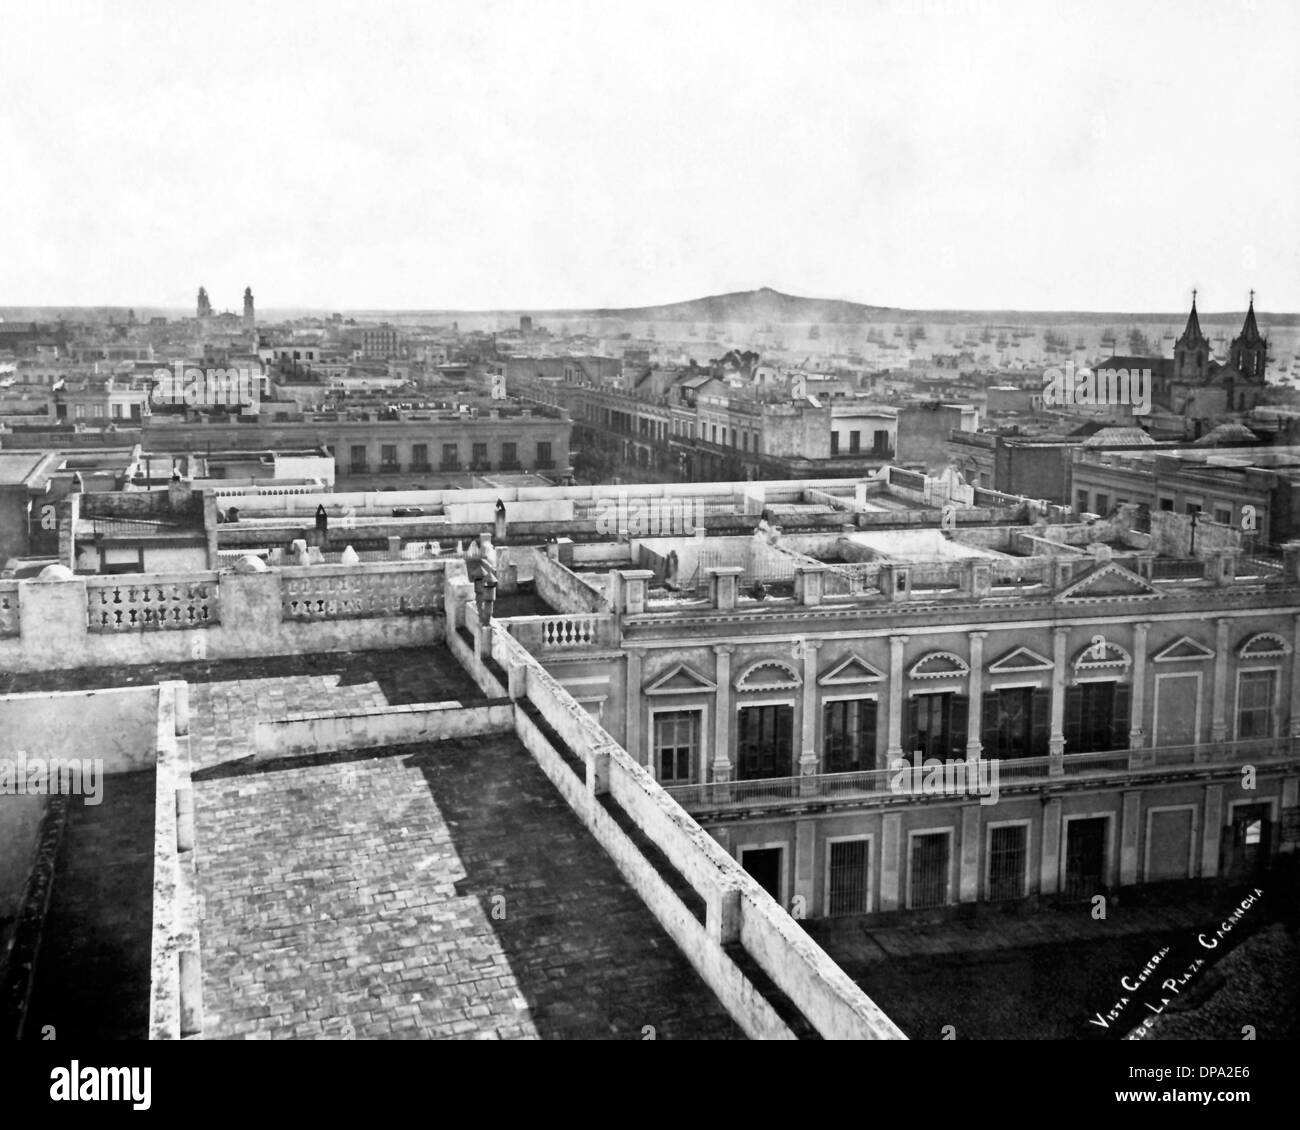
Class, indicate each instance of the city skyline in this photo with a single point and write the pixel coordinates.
(916, 155)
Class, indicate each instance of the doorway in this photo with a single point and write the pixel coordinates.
(764, 864)
(1085, 857)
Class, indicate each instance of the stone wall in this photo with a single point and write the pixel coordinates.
(116, 725)
(139, 619)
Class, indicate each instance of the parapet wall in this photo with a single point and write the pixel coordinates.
(168, 618)
(738, 910)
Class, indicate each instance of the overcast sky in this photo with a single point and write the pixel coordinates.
(547, 153)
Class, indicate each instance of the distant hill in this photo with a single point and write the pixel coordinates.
(758, 307)
(749, 306)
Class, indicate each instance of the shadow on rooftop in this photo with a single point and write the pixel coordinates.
(587, 955)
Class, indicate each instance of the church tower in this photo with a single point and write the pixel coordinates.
(1192, 350)
(1249, 351)
(248, 308)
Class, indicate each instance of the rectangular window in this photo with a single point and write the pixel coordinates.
(1096, 717)
(1103, 504)
(1192, 507)
(938, 725)
(1255, 704)
(928, 876)
(1223, 515)
(1081, 501)
(117, 411)
(419, 456)
(880, 442)
(544, 455)
(1166, 504)
(855, 442)
(1007, 863)
(450, 456)
(677, 739)
(765, 742)
(358, 453)
(1015, 722)
(388, 454)
(850, 735)
(835, 443)
(479, 455)
(509, 459)
(847, 886)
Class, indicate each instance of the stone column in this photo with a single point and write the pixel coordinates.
(968, 887)
(1049, 871)
(896, 644)
(809, 757)
(1130, 832)
(805, 857)
(722, 713)
(974, 747)
(724, 582)
(632, 706)
(1136, 731)
(891, 847)
(1056, 743)
(1218, 720)
(1295, 682)
(1211, 831)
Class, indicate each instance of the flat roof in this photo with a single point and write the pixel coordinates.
(18, 466)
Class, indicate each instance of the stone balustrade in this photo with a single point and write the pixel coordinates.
(130, 603)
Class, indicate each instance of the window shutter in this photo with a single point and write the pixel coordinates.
(1040, 714)
(959, 726)
(913, 727)
(1120, 716)
(1073, 718)
(989, 723)
(868, 734)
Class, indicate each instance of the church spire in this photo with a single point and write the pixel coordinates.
(1192, 337)
(1192, 350)
(1249, 329)
(1248, 353)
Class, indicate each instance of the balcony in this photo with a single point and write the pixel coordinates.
(480, 465)
(359, 469)
(545, 464)
(390, 468)
(876, 784)
(450, 465)
(511, 465)
(421, 468)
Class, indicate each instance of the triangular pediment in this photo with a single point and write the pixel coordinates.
(1108, 580)
(939, 665)
(680, 680)
(854, 669)
(1018, 660)
(1183, 648)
